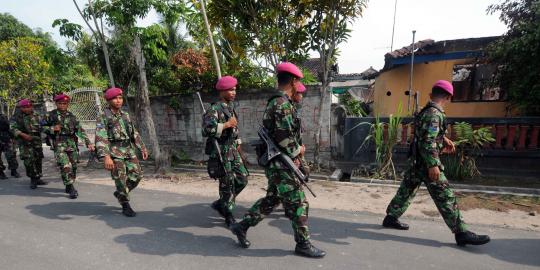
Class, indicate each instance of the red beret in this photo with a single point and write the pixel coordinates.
(289, 68)
(24, 103)
(226, 83)
(61, 97)
(444, 85)
(112, 93)
(300, 87)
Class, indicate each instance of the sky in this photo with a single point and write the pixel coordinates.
(370, 39)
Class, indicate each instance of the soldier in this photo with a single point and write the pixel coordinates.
(64, 128)
(25, 127)
(7, 146)
(116, 140)
(281, 121)
(425, 166)
(221, 122)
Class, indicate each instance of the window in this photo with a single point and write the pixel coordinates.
(472, 83)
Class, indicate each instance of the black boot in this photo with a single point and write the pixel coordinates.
(40, 182)
(392, 222)
(470, 238)
(15, 174)
(216, 205)
(306, 249)
(116, 194)
(3, 175)
(73, 194)
(33, 183)
(240, 230)
(229, 220)
(127, 211)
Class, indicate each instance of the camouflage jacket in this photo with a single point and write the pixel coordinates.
(212, 126)
(70, 130)
(5, 134)
(29, 124)
(116, 136)
(431, 129)
(283, 124)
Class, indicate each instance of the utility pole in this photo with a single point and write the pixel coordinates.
(411, 73)
(393, 27)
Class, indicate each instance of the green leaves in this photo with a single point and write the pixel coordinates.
(68, 29)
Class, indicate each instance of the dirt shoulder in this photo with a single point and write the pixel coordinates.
(477, 208)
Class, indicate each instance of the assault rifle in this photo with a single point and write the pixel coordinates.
(273, 152)
(213, 141)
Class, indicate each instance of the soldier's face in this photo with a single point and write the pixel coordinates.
(228, 95)
(116, 103)
(62, 105)
(27, 109)
(297, 97)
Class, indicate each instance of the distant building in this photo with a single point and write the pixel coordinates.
(461, 61)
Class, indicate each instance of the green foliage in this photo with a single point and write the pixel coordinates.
(384, 147)
(519, 48)
(469, 143)
(11, 28)
(24, 72)
(354, 107)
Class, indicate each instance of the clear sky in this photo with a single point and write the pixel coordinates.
(369, 41)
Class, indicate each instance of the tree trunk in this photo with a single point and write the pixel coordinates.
(107, 61)
(144, 112)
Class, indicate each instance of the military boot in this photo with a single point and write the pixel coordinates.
(3, 175)
(40, 182)
(216, 205)
(470, 238)
(33, 183)
(15, 174)
(240, 230)
(306, 249)
(229, 220)
(392, 222)
(73, 194)
(127, 210)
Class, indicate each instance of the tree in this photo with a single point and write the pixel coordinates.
(24, 72)
(328, 27)
(11, 28)
(518, 48)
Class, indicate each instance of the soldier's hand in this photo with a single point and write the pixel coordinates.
(25, 137)
(231, 123)
(144, 155)
(297, 162)
(109, 163)
(434, 173)
(302, 150)
(91, 148)
(56, 128)
(449, 146)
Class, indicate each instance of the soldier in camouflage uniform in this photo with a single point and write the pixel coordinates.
(280, 119)
(116, 140)
(26, 128)
(220, 122)
(64, 128)
(7, 146)
(425, 167)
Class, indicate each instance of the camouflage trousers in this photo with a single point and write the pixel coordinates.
(282, 188)
(230, 186)
(32, 157)
(67, 162)
(11, 156)
(127, 174)
(440, 192)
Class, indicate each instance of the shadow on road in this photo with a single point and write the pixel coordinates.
(519, 251)
(21, 187)
(174, 230)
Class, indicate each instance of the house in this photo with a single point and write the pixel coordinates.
(461, 61)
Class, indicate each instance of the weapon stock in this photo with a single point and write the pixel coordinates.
(274, 152)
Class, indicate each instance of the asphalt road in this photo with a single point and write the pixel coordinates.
(43, 229)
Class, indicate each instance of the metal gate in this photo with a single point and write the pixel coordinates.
(86, 104)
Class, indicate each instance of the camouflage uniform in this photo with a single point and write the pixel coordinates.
(30, 152)
(66, 142)
(116, 136)
(430, 130)
(6, 145)
(236, 180)
(280, 118)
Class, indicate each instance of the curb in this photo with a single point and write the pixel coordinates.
(391, 183)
